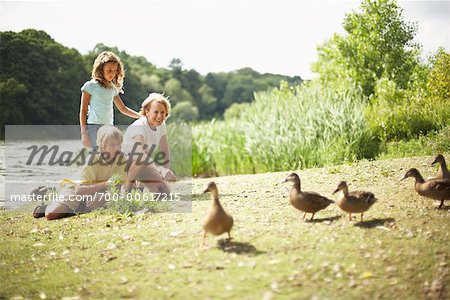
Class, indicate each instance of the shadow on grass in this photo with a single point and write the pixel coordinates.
(237, 247)
(375, 222)
(320, 220)
(443, 208)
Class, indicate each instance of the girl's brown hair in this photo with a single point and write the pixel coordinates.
(97, 70)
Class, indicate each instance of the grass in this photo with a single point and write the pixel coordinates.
(400, 251)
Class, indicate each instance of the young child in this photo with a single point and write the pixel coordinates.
(96, 177)
(98, 95)
(144, 136)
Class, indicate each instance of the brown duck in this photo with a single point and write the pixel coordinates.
(438, 189)
(307, 202)
(443, 172)
(354, 202)
(217, 221)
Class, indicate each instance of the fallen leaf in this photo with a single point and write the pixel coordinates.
(268, 295)
(382, 228)
(176, 233)
(110, 258)
(274, 261)
(366, 275)
(111, 246)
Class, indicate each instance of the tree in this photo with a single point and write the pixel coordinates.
(379, 43)
(438, 83)
(176, 92)
(184, 110)
(239, 89)
(12, 95)
(218, 83)
(152, 83)
(208, 103)
(40, 79)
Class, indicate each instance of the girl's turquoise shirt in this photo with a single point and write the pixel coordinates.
(100, 110)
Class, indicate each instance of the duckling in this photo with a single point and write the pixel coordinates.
(354, 202)
(217, 221)
(443, 172)
(438, 189)
(307, 202)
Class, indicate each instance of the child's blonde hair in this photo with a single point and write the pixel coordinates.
(105, 132)
(157, 98)
(97, 70)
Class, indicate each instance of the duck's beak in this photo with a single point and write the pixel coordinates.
(403, 178)
(280, 182)
(205, 191)
(434, 162)
(335, 191)
(284, 180)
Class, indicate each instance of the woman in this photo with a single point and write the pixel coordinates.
(141, 140)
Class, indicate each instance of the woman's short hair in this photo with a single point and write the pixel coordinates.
(157, 98)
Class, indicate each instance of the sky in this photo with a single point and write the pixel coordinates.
(277, 37)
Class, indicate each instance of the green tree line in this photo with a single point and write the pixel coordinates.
(41, 79)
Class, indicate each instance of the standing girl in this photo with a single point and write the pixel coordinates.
(98, 95)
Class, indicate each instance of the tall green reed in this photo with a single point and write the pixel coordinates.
(286, 128)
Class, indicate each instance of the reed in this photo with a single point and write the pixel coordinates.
(287, 128)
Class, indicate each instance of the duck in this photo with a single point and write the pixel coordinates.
(436, 188)
(353, 202)
(217, 221)
(307, 202)
(443, 172)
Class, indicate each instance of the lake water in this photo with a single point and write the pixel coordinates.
(21, 172)
(19, 178)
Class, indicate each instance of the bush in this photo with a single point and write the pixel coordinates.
(403, 114)
(432, 143)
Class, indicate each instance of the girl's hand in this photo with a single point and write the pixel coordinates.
(86, 140)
